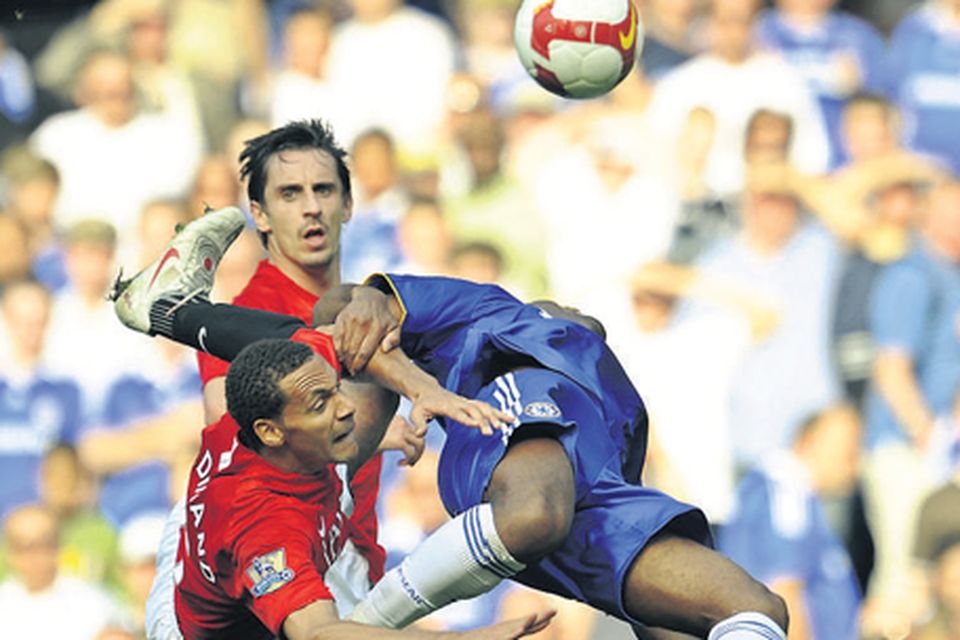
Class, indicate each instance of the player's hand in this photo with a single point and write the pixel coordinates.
(471, 413)
(401, 436)
(363, 326)
(512, 629)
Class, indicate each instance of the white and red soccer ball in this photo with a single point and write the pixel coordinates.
(577, 48)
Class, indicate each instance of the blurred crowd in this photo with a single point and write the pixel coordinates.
(765, 216)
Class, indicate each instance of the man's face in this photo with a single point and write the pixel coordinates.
(32, 544)
(303, 210)
(318, 420)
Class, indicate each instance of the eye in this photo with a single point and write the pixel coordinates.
(288, 193)
(324, 189)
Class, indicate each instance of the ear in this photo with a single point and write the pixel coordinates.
(347, 208)
(270, 432)
(260, 217)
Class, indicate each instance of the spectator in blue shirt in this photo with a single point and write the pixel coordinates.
(780, 534)
(924, 68)
(37, 409)
(915, 322)
(836, 52)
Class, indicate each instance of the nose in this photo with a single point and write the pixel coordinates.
(311, 206)
(345, 408)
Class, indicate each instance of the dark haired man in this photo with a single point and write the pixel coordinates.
(555, 501)
(268, 548)
(300, 195)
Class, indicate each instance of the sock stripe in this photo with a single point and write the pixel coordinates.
(476, 542)
(475, 538)
(500, 567)
(760, 630)
(471, 544)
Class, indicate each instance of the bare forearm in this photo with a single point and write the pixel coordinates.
(105, 452)
(394, 370)
(894, 378)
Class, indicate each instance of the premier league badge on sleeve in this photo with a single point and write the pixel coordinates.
(269, 572)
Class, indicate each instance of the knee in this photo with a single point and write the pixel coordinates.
(777, 611)
(538, 527)
(763, 600)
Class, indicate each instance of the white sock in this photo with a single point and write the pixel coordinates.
(749, 625)
(462, 559)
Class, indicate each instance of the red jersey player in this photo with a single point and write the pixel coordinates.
(269, 546)
(300, 195)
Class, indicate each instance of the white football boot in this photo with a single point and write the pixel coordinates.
(184, 271)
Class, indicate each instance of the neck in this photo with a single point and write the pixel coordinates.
(763, 246)
(804, 17)
(25, 358)
(735, 58)
(283, 459)
(945, 250)
(317, 280)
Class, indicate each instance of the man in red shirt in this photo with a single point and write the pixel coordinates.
(300, 196)
(269, 545)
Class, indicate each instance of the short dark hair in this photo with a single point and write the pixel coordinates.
(253, 383)
(301, 134)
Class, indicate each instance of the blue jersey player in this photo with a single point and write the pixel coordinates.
(554, 501)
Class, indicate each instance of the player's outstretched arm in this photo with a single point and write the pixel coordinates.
(397, 372)
(319, 621)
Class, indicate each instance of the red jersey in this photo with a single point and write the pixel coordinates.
(271, 290)
(260, 543)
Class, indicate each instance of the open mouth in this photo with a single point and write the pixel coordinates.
(315, 236)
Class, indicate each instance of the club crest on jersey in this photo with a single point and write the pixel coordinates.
(542, 410)
(269, 572)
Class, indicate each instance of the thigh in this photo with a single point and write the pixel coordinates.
(545, 403)
(613, 523)
(678, 584)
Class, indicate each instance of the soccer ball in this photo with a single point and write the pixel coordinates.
(577, 48)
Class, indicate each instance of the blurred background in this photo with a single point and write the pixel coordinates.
(765, 216)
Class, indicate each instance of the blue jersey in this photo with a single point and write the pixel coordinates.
(467, 334)
(815, 53)
(779, 531)
(915, 311)
(925, 76)
(35, 415)
(555, 375)
(144, 487)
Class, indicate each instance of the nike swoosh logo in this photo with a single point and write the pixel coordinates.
(626, 40)
(200, 336)
(171, 253)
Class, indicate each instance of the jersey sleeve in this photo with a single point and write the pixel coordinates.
(432, 304)
(898, 309)
(211, 367)
(275, 558)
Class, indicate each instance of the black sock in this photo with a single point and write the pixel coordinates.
(222, 330)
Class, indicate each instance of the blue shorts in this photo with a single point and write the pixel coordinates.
(613, 519)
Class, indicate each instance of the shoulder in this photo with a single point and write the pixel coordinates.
(914, 269)
(916, 22)
(67, 122)
(844, 22)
